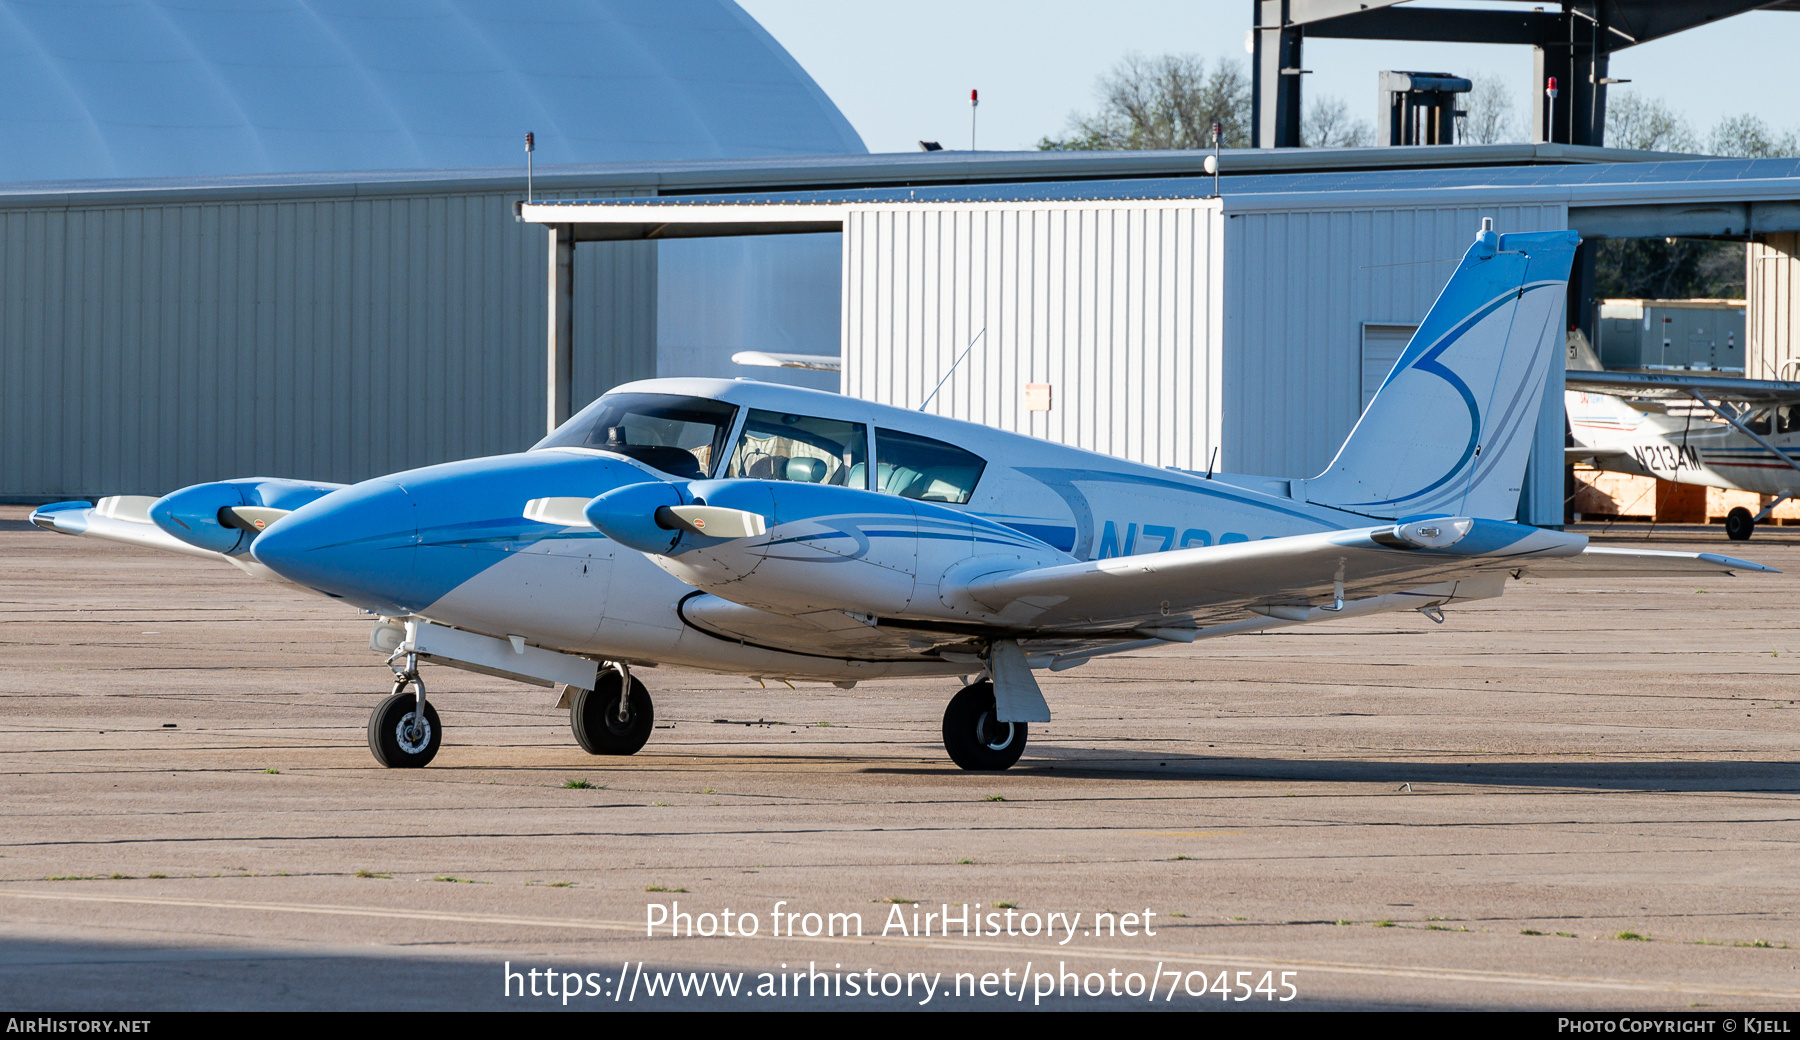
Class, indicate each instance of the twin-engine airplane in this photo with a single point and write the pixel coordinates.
(1657, 425)
(783, 533)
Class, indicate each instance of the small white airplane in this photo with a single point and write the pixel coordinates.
(1713, 431)
(781, 533)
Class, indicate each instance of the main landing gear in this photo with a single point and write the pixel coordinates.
(614, 718)
(1739, 524)
(404, 731)
(974, 735)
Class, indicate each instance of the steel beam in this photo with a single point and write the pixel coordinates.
(1572, 45)
(1439, 25)
(1275, 89)
(559, 365)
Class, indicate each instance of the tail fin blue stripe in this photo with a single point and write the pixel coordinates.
(1429, 363)
(1448, 429)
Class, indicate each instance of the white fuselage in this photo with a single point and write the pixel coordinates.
(1687, 449)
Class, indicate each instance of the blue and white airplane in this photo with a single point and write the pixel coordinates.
(782, 533)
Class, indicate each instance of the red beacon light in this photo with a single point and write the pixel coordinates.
(1550, 87)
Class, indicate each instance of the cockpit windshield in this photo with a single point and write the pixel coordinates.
(682, 436)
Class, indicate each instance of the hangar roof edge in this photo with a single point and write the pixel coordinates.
(821, 172)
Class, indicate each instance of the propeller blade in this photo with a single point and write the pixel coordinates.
(254, 519)
(563, 512)
(712, 521)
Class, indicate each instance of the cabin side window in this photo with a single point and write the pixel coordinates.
(918, 467)
(777, 446)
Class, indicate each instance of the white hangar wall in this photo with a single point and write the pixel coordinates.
(1165, 327)
(1113, 303)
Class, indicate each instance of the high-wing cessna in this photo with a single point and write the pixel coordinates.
(1714, 431)
(783, 533)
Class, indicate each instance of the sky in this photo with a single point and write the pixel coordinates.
(902, 73)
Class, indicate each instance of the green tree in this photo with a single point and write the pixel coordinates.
(1668, 269)
(1167, 102)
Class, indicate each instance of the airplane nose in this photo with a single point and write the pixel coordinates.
(359, 544)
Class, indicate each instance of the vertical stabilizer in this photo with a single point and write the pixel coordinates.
(1450, 430)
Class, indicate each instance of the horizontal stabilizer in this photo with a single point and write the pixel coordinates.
(772, 359)
(1642, 562)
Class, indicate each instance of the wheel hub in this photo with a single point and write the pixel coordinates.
(992, 732)
(413, 734)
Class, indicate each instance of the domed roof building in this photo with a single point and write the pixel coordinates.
(99, 89)
(247, 236)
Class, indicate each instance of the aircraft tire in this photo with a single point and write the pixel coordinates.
(1739, 524)
(594, 715)
(975, 739)
(387, 737)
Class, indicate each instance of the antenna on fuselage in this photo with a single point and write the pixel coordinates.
(953, 364)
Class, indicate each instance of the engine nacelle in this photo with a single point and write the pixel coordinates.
(192, 514)
(834, 548)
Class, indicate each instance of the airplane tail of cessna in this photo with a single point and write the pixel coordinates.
(1450, 430)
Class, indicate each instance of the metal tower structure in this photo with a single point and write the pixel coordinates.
(1571, 42)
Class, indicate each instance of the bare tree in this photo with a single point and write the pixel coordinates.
(1328, 125)
(1490, 112)
(1747, 136)
(1647, 124)
(1170, 101)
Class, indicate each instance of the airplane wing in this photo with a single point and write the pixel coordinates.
(1583, 454)
(1303, 578)
(120, 518)
(214, 521)
(1677, 384)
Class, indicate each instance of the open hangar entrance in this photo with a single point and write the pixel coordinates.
(1693, 287)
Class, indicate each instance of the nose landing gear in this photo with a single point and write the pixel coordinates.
(404, 731)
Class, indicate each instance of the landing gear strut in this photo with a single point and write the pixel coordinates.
(974, 735)
(614, 718)
(404, 732)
